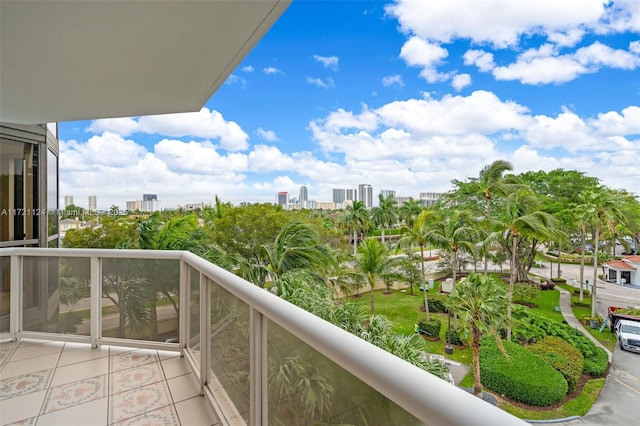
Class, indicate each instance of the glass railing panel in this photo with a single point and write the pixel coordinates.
(194, 311)
(140, 299)
(56, 295)
(230, 360)
(5, 293)
(307, 388)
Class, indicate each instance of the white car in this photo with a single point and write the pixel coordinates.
(628, 333)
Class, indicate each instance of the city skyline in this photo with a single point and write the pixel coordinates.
(400, 94)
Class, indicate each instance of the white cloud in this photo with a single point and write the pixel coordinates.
(203, 124)
(235, 79)
(390, 80)
(460, 81)
(272, 70)
(267, 135)
(613, 123)
(481, 59)
(542, 66)
(418, 52)
(634, 46)
(327, 61)
(198, 158)
(325, 84)
(499, 22)
(248, 68)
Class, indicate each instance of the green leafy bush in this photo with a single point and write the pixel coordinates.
(430, 328)
(523, 377)
(437, 303)
(562, 356)
(453, 337)
(579, 304)
(559, 280)
(585, 292)
(596, 364)
(530, 327)
(525, 293)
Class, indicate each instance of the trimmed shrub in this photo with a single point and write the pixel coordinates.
(453, 337)
(561, 356)
(597, 363)
(585, 292)
(437, 303)
(579, 304)
(530, 327)
(523, 377)
(430, 328)
(525, 293)
(559, 280)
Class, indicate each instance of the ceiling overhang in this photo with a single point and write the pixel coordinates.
(70, 60)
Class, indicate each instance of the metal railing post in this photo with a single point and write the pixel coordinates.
(15, 301)
(96, 308)
(185, 302)
(258, 412)
(205, 331)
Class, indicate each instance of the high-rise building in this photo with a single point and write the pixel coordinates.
(149, 197)
(339, 195)
(351, 194)
(429, 198)
(386, 192)
(304, 197)
(366, 194)
(93, 203)
(133, 206)
(149, 206)
(282, 199)
(68, 200)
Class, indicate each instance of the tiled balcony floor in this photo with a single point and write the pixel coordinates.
(55, 383)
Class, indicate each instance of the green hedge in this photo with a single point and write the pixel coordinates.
(437, 303)
(430, 328)
(562, 356)
(596, 364)
(453, 337)
(523, 377)
(530, 327)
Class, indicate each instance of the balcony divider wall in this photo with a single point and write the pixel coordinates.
(259, 359)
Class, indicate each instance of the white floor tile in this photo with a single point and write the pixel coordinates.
(184, 387)
(174, 367)
(36, 350)
(15, 368)
(21, 407)
(135, 377)
(196, 411)
(84, 353)
(80, 370)
(87, 414)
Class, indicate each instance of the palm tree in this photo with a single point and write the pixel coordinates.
(417, 235)
(297, 246)
(386, 214)
(356, 220)
(522, 219)
(480, 302)
(409, 211)
(601, 209)
(454, 231)
(489, 183)
(374, 262)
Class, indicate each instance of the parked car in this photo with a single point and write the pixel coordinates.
(628, 333)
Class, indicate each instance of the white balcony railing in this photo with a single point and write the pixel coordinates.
(259, 359)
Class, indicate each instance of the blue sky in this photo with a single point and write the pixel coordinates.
(403, 95)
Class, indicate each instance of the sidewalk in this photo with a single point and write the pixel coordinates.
(567, 313)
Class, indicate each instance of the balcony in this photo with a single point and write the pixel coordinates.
(192, 343)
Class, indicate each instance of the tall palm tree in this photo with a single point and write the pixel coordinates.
(296, 247)
(480, 302)
(386, 214)
(455, 230)
(409, 211)
(522, 219)
(489, 183)
(601, 210)
(374, 262)
(416, 235)
(356, 220)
